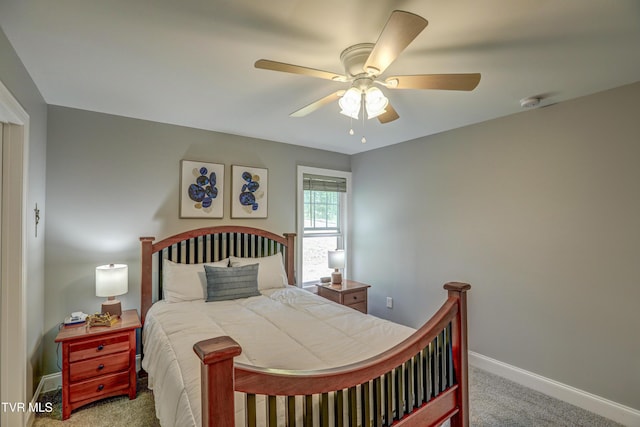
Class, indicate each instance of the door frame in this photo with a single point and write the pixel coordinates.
(13, 250)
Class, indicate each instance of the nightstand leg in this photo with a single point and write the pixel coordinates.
(133, 377)
(66, 404)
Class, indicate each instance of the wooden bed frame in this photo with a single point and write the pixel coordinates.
(422, 381)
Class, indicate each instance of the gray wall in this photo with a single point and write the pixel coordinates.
(15, 78)
(112, 179)
(540, 212)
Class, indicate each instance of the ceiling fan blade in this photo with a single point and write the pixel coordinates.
(266, 64)
(317, 104)
(399, 31)
(389, 116)
(435, 81)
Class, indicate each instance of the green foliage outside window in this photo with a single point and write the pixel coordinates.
(321, 211)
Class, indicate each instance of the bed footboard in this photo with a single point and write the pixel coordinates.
(420, 382)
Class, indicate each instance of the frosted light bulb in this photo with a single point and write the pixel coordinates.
(363, 140)
(351, 132)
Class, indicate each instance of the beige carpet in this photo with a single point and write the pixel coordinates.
(111, 412)
(494, 402)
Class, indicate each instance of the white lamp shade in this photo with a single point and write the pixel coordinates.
(375, 102)
(350, 103)
(336, 259)
(112, 280)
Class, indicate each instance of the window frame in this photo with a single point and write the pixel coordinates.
(345, 214)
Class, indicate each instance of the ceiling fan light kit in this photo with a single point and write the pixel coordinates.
(365, 62)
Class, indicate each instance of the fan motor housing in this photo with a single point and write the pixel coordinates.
(354, 57)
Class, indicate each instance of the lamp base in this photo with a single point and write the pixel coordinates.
(336, 278)
(113, 307)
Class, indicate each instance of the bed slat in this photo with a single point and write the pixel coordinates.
(417, 387)
(399, 400)
(408, 386)
(353, 406)
(291, 410)
(365, 405)
(388, 399)
(377, 402)
(272, 413)
(324, 410)
(250, 410)
(307, 415)
(338, 405)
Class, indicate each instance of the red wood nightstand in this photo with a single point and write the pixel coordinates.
(98, 362)
(351, 293)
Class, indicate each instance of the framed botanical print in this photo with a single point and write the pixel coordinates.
(249, 192)
(201, 189)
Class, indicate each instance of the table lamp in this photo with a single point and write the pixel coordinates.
(112, 280)
(336, 261)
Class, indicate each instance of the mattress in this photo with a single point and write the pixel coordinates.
(285, 328)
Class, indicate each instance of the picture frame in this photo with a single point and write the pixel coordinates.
(198, 197)
(249, 192)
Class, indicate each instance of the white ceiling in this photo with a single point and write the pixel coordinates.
(190, 62)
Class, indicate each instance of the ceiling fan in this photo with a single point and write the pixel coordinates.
(364, 63)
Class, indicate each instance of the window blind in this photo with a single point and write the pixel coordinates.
(324, 183)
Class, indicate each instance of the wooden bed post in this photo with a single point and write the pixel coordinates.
(460, 358)
(146, 275)
(216, 380)
(291, 251)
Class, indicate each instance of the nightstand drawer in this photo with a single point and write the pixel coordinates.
(355, 297)
(329, 294)
(104, 365)
(98, 387)
(361, 307)
(98, 347)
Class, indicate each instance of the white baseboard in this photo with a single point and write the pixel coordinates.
(582, 399)
(48, 383)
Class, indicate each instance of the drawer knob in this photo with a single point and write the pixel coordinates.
(100, 367)
(355, 297)
(100, 387)
(100, 347)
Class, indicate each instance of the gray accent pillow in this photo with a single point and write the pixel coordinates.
(229, 283)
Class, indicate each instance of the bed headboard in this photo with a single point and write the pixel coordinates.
(209, 244)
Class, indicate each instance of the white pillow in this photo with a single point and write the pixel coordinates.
(186, 282)
(271, 273)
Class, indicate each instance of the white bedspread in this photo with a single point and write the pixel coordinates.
(284, 328)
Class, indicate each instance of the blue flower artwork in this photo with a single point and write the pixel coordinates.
(204, 190)
(249, 192)
(247, 196)
(202, 186)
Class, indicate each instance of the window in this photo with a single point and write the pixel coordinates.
(322, 220)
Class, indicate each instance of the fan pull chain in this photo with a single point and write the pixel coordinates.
(363, 140)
